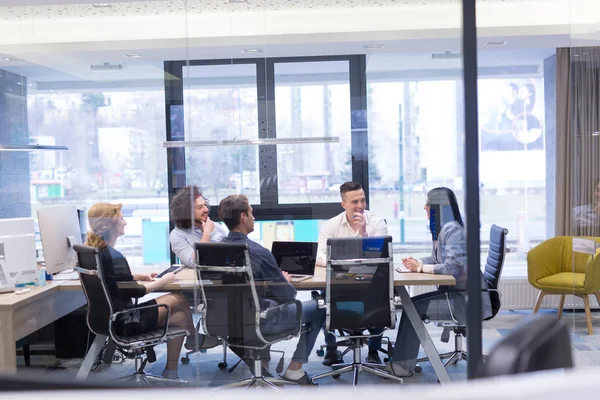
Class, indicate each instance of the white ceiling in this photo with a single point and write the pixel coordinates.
(58, 40)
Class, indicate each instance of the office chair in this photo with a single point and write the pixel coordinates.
(541, 343)
(233, 311)
(491, 273)
(359, 295)
(101, 316)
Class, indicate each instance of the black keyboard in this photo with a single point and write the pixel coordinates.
(173, 268)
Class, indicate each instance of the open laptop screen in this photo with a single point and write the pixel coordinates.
(296, 258)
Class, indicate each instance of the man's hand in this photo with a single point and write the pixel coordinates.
(359, 223)
(287, 276)
(208, 227)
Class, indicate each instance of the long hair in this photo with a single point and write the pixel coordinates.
(102, 217)
(182, 206)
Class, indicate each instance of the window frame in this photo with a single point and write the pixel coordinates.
(269, 207)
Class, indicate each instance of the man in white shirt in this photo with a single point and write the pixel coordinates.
(189, 213)
(354, 221)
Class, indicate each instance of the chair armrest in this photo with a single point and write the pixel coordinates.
(280, 307)
(114, 317)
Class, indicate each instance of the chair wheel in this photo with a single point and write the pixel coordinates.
(386, 359)
(222, 365)
(418, 369)
(185, 360)
(336, 376)
(320, 352)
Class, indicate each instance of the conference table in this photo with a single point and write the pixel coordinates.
(187, 281)
(21, 315)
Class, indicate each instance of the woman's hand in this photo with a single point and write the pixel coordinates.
(145, 277)
(412, 264)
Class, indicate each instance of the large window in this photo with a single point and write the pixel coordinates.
(115, 155)
(416, 132)
(318, 99)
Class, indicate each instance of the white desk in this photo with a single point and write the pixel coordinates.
(21, 315)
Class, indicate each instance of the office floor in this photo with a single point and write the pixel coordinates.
(202, 370)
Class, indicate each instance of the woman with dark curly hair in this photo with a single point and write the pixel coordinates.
(189, 213)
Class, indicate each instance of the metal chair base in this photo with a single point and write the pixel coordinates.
(357, 366)
(452, 357)
(141, 378)
(258, 380)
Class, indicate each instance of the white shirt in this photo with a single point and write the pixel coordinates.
(338, 227)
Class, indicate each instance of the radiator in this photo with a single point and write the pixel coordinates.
(518, 294)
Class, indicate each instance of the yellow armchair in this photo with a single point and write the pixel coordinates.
(553, 268)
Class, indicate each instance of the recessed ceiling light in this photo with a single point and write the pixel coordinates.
(11, 58)
(106, 67)
(373, 46)
(133, 55)
(237, 1)
(101, 5)
(447, 55)
(251, 51)
(496, 42)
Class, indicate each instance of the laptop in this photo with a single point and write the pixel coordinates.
(296, 258)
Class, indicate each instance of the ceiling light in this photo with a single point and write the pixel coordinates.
(447, 55)
(133, 55)
(496, 43)
(11, 58)
(373, 46)
(245, 51)
(106, 67)
(596, 134)
(237, 1)
(102, 5)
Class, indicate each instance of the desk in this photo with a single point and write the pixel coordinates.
(187, 281)
(21, 315)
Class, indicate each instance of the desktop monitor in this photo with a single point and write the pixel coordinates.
(82, 217)
(17, 251)
(60, 230)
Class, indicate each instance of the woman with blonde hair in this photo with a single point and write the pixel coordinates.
(106, 225)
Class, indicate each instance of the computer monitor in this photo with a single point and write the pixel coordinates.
(82, 217)
(60, 230)
(17, 251)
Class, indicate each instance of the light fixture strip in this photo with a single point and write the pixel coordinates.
(249, 142)
(30, 147)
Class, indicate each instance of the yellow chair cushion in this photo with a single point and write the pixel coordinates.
(564, 281)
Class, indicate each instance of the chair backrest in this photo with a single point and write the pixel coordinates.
(232, 311)
(541, 343)
(494, 264)
(360, 283)
(99, 307)
(496, 255)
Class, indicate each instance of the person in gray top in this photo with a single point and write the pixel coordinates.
(189, 213)
(449, 258)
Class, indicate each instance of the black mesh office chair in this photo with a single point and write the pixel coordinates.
(101, 316)
(359, 295)
(492, 272)
(235, 309)
(541, 343)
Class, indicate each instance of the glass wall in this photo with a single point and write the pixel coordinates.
(283, 102)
